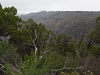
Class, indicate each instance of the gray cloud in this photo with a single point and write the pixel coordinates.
(27, 6)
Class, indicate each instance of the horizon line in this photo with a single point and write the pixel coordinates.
(21, 13)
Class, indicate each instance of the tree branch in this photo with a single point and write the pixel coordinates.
(3, 70)
(34, 43)
(10, 66)
(17, 64)
(80, 41)
(14, 69)
(44, 53)
(75, 69)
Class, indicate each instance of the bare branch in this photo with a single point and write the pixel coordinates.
(14, 69)
(3, 70)
(3, 59)
(17, 64)
(65, 64)
(34, 43)
(90, 42)
(75, 69)
(10, 66)
(44, 53)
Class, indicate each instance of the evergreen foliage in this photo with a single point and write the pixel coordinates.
(28, 48)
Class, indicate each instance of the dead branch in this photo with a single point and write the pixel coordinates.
(3, 70)
(34, 43)
(13, 68)
(75, 69)
(90, 42)
(10, 66)
(65, 64)
(17, 64)
(44, 53)
(80, 68)
(3, 59)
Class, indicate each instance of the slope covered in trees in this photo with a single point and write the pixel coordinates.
(31, 49)
(72, 23)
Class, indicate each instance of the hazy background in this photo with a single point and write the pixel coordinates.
(28, 6)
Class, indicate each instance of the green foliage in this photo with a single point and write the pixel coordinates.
(9, 22)
(8, 53)
(33, 67)
(8, 57)
(64, 45)
(94, 50)
(44, 65)
(42, 51)
(73, 73)
(27, 34)
(95, 34)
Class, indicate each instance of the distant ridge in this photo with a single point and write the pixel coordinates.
(72, 23)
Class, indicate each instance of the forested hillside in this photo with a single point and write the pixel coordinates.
(28, 48)
(72, 23)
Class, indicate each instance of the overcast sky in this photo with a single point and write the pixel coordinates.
(28, 6)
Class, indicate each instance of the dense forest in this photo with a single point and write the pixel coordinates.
(28, 48)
